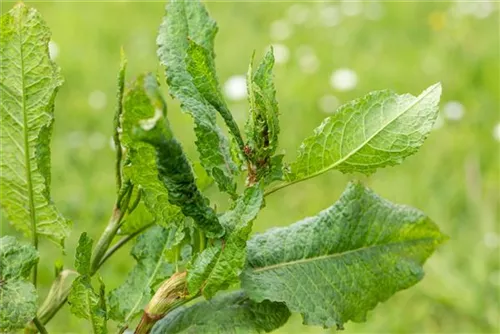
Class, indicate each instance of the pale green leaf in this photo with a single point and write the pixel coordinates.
(375, 131)
(28, 84)
(184, 21)
(18, 298)
(219, 266)
(176, 174)
(83, 254)
(336, 266)
(140, 101)
(229, 313)
(86, 303)
(128, 300)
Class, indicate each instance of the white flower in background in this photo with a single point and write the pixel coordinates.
(496, 132)
(280, 30)
(298, 13)
(330, 15)
(97, 141)
(308, 61)
(344, 79)
(112, 143)
(373, 10)
(478, 9)
(281, 53)
(75, 139)
(328, 104)
(235, 87)
(97, 100)
(491, 240)
(351, 8)
(53, 50)
(454, 110)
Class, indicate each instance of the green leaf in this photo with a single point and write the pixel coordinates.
(338, 265)
(200, 64)
(375, 131)
(128, 300)
(229, 313)
(262, 128)
(83, 254)
(16, 259)
(86, 303)
(219, 266)
(28, 84)
(176, 174)
(184, 21)
(18, 298)
(140, 102)
(18, 304)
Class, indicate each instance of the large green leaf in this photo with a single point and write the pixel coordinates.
(338, 265)
(173, 168)
(184, 21)
(28, 84)
(18, 298)
(84, 301)
(229, 313)
(140, 102)
(129, 300)
(262, 127)
(219, 266)
(377, 130)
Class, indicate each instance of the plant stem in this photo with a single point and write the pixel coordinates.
(122, 242)
(39, 326)
(114, 224)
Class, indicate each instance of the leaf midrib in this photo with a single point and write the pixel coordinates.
(335, 255)
(356, 150)
(26, 145)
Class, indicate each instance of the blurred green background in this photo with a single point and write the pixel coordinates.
(327, 54)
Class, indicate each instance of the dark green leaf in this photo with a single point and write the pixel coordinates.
(219, 266)
(184, 21)
(229, 313)
(338, 265)
(140, 102)
(16, 259)
(175, 172)
(28, 84)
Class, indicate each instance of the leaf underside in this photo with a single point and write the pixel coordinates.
(28, 84)
(18, 297)
(185, 23)
(229, 313)
(375, 131)
(336, 266)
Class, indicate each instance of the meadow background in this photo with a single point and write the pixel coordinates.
(327, 54)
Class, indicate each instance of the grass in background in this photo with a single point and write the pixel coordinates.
(327, 54)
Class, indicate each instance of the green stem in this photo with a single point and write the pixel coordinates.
(39, 326)
(281, 186)
(202, 240)
(122, 242)
(114, 224)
